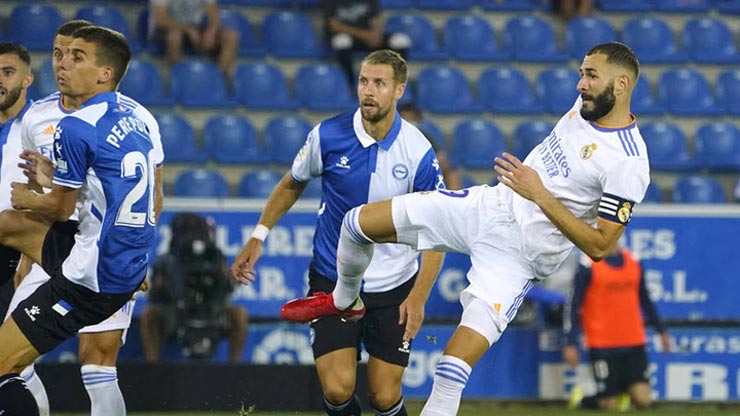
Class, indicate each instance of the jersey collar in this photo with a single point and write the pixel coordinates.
(366, 140)
(605, 129)
(103, 97)
(19, 116)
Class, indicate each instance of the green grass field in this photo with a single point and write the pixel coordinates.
(503, 409)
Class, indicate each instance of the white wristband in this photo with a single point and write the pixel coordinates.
(260, 232)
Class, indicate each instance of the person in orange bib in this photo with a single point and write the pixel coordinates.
(608, 301)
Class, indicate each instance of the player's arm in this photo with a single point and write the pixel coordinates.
(572, 315)
(57, 205)
(158, 193)
(651, 313)
(24, 267)
(412, 308)
(594, 242)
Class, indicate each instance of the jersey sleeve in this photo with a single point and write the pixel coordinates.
(154, 135)
(624, 185)
(428, 173)
(308, 163)
(72, 151)
(26, 134)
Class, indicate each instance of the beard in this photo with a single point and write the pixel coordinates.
(11, 97)
(379, 114)
(602, 104)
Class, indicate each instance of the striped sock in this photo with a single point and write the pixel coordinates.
(349, 408)
(101, 383)
(397, 409)
(449, 381)
(31, 377)
(354, 252)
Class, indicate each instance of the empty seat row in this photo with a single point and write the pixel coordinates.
(290, 34)
(438, 88)
(210, 183)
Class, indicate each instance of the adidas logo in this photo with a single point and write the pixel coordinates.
(49, 129)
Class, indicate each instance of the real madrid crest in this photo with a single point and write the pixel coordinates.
(624, 213)
(587, 151)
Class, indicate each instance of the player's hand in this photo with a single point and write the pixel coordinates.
(144, 286)
(521, 178)
(336, 25)
(411, 313)
(193, 35)
(20, 195)
(570, 355)
(37, 167)
(243, 268)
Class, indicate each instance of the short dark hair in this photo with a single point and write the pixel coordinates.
(392, 58)
(619, 54)
(16, 49)
(68, 28)
(111, 48)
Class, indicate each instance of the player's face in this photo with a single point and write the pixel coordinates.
(377, 91)
(61, 43)
(13, 74)
(78, 72)
(596, 87)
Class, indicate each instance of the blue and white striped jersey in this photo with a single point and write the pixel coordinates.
(10, 150)
(106, 150)
(356, 169)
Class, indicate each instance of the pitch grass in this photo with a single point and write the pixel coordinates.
(496, 408)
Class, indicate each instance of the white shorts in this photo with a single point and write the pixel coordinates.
(37, 276)
(476, 221)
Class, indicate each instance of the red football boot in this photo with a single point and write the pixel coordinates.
(320, 304)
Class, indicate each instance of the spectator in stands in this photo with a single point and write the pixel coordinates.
(356, 25)
(189, 295)
(569, 9)
(608, 299)
(194, 24)
(412, 113)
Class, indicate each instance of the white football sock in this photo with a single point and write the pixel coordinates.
(450, 379)
(354, 252)
(101, 384)
(36, 386)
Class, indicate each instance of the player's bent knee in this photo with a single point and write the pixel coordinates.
(385, 398)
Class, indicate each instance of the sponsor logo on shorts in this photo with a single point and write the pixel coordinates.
(35, 310)
(405, 347)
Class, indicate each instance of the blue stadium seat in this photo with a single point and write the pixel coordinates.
(727, 6)
(709, 41)
(717, 147)
(323, 87)
(583, 33)
(556, 88)
(284, 137)
(424, 45)
(529, 134)
(476, 142)
(290, 35)
(110, 17)
(667, 147)
(231, 139)
(652, 40)
(433, 133)
(508, 5)
(686, 92)
(199, 83)
(33, 26)
(682, 6)
(624, 5)
(178, 139)
(143, 83)
(444, 4)
(506, 90)
(642, 101)
(262, 86)
(44, 78)
(728, 91)
(258, 183)
(201, 183)
(653, 194)
(471, 38)
(248, 43)
(397, 4)
(444, 89)
(698, 190)
(532, 39)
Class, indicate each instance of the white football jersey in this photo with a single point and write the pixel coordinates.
(595, 171)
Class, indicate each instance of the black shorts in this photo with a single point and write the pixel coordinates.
(59, 308)
(378, 330)
(615, 369)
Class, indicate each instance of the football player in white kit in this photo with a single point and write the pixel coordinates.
(98, 344)
(578, 186)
